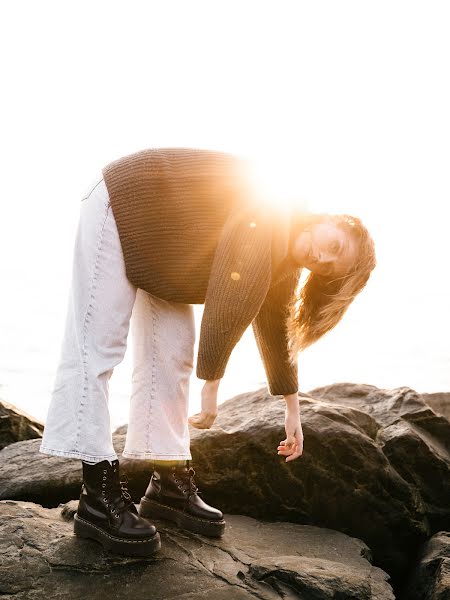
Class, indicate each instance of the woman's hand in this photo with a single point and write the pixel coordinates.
(292, 446)
(208, 414)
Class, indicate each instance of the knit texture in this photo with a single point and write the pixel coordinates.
(192, 231)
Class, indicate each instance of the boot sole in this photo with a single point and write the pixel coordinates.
(154, 510)
(145, 547)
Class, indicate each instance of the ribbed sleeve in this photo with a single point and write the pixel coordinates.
(239, 280)
(271, 337)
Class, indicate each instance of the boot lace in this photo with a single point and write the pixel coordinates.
(186, 479)
(115, 494)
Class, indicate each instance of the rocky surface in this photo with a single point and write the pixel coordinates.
(439, 402)
(27, 474)
(430, 574)
(430, 579)
(414, 439)
(375, 466)
(42, 558)
(16, 425)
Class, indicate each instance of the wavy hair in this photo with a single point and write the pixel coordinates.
(320, 303)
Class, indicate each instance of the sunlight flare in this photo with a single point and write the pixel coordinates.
(275, 181)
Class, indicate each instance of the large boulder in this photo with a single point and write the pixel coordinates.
(375, 466)
(17, 425)
(414, 439)
(42, 558)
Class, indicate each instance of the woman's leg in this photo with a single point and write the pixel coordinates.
(163, 337)
(99, 308)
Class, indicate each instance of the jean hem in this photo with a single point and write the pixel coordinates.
(155, 456)
(74, 454)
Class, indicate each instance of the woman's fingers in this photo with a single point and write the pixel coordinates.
(202, 420)
(285, 448)
(199, 424)
(197, 421)
(291, 450)
(298, 450)
(293, 456)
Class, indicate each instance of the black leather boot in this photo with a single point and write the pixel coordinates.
(173, 495)
(106, 513)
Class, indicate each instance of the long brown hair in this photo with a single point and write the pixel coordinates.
(322, 301)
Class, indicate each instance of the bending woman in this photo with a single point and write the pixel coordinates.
(160, 230)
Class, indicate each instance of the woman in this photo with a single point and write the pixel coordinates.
(160, 230)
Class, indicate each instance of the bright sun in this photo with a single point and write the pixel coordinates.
(276, 183)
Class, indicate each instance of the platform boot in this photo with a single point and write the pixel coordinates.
(106, 513)
(173, 495)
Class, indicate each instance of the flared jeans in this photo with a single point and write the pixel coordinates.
(102, 306)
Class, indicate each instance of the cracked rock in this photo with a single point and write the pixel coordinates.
(375, 466)
(42, 558)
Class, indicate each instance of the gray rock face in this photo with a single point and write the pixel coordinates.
(375, 466)
(16, 425)
(42, 558)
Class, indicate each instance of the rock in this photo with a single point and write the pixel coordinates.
(27, 474)
(414, 439)
(439, 402)
(375, 466)
(16, 425)
(122, 430)
(431, 574)
(42, 558)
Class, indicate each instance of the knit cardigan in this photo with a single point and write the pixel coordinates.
(192, 231)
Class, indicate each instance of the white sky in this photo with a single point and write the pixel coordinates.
(345, 103)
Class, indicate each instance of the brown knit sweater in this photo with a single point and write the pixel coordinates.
(192, 231)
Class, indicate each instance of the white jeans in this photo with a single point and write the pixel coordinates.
(102, 305)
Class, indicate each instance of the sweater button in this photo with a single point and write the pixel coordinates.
(252, 224)
(235, 276)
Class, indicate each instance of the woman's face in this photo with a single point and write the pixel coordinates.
(325, 249)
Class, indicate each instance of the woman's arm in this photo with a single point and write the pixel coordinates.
(237, 286)
(292, 404)
(269, 327)
(208, 414)
(292, 445)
